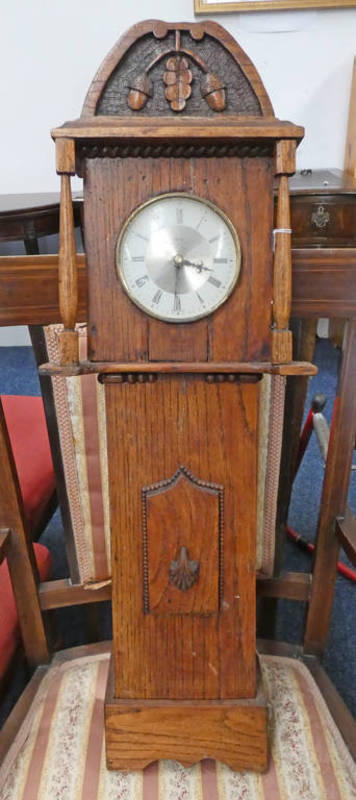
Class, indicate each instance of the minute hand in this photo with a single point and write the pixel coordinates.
(200, 267)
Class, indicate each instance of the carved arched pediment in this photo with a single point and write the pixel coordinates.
(159, 69)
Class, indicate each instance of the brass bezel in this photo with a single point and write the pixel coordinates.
(119, 267)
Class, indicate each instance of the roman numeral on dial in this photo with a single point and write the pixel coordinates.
(177, 306)
(141, 281)
(156, 298)
(214, 281)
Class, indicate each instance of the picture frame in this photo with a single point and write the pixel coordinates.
(230, 6)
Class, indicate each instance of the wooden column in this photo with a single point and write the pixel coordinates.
(20, 556)
(67, 266)
(333, 499)
(282, 277)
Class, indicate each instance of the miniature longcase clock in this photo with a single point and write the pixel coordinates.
(188, 303)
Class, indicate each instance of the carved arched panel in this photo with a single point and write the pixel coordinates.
(159, 69)
(183, 545)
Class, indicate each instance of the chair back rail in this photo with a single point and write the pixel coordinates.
(29, 295)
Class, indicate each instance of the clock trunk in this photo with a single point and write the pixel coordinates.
(185, 493)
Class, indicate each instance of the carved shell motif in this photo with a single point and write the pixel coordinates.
(177, 78)
(184, 573)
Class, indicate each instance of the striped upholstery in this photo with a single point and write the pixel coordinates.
(80, 412)
(59, 751)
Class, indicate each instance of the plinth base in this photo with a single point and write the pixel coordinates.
(138, 732)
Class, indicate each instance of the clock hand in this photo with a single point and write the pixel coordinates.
(200, 266)
(177, 265)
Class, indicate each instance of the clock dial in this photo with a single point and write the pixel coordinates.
(178, 257)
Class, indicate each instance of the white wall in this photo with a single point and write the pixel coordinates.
(50, 51)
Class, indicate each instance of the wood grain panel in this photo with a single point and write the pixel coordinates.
(138, 732)
(183, 514)
(173, 421)
(240, 329)
(324, 282)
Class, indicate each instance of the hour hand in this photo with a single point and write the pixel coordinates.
(199, 266)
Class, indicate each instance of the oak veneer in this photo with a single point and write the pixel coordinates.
(138, 732)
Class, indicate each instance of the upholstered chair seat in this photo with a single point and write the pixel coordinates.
(59, 751)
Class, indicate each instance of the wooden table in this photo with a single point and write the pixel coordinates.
(27, 217)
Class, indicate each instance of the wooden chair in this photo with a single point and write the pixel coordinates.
(60, 713)
(26, 425)
(64, 676)
(52, 743)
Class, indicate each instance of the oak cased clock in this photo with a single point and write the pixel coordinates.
(188, 303)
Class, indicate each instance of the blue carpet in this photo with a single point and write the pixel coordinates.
(18, 376)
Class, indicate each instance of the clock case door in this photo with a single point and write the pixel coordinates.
(181, 399)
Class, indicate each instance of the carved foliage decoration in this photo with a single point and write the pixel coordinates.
(177, 78)
(177, 69)
(183, 521)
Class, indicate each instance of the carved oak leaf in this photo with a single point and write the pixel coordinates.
(184, 573)
(177, 78)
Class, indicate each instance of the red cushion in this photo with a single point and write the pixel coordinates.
(26, 423)
(9, 628)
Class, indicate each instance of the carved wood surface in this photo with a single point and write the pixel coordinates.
(156, 129)
(135, 67)
(211, 429)
(177, 82)
(68, 276)
(138, 732)
(117, 329)
(183, 527)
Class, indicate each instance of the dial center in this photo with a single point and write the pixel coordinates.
(178, 260)
(171, 256)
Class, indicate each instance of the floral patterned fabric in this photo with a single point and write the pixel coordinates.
(59, 753)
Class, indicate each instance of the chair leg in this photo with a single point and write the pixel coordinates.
(333, 499)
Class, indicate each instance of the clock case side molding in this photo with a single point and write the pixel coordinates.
(179, 110)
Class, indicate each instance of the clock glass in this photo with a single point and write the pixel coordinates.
(178, 257)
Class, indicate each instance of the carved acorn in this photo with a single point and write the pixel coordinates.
(140, 91)
(213, 91)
